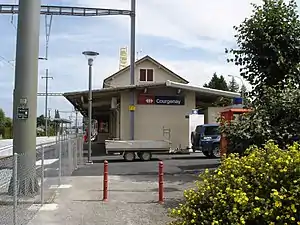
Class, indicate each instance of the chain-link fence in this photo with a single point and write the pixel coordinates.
(30, 180)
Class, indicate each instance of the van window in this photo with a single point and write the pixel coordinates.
(198, 129)
(213, 130)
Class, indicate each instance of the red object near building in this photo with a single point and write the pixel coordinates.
(146, 99)
(229, 115)
(85, 137)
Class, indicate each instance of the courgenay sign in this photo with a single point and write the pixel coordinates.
(169, 100)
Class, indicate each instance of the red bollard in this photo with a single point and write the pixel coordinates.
(161, 183)
(105, 182)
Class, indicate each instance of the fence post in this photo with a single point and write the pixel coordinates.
(15, 187)
(42, 174)
(59, 163)
(161, 183)
(105, 182)
(81, 150)
(69, 151)
(75, 153)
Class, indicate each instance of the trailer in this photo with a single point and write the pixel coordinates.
(143, 149)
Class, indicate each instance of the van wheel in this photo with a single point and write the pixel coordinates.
(129, 156)
(145, 156)
(215, 153)
(206, 154)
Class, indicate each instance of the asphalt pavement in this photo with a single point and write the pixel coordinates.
(173, 164)
(133, 191)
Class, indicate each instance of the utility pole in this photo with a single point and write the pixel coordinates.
(46, 100)
(49, 114)
(25, 95)
(132, 66)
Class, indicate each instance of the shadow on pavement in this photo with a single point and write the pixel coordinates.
(199, 167)
(191, 157)
(122, 160)
(171, 203)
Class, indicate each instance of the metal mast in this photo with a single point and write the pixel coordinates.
(26, 74)
(46, 77)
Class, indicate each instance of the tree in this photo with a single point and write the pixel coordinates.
(217, 82)
(57, 116)
(270, 61)
(233, 86)
(40, 121)
(276, 116)
(5, 125)
(243, 89)
(268, 45)
(2, 119)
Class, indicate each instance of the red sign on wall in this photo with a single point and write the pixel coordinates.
(146, 99)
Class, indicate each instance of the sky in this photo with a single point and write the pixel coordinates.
(188, 37)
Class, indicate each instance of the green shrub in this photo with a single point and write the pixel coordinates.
(260, 188)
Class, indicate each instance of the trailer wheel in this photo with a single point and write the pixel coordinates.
(129, 156)
(145, 156)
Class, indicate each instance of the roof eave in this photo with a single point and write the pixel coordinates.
(203, 89)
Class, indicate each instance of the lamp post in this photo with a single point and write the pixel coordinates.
(233, 76)
(90, 55)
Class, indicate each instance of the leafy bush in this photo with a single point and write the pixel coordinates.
(260, 188)
(275, 116)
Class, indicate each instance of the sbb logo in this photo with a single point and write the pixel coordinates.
(149, 101)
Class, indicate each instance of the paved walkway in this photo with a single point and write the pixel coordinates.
(132, 201)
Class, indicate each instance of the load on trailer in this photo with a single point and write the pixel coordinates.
(143, 149)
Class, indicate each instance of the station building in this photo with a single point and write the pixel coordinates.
(162, 101)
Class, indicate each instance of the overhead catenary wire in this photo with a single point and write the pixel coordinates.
(8, 62)
(48, 26)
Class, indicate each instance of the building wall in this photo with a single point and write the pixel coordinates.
(124, 116)
(211, 114)
(151, 119)
(160, 75)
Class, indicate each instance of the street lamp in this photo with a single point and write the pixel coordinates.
(233, 76)
(90, 55)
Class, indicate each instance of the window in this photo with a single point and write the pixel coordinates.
(146, 75)
(143, 75)
(149, 75)
(198, 129)
(213, 130)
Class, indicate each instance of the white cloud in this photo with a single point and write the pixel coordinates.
(199, 73)
(184, 21)
(187, 24)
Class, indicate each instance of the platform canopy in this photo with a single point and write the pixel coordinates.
(80, 98)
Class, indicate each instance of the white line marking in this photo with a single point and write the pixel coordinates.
(53, 187)
(47, 169)
(46, 162)
(64, 186)
(34, 207)
(49, 207)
